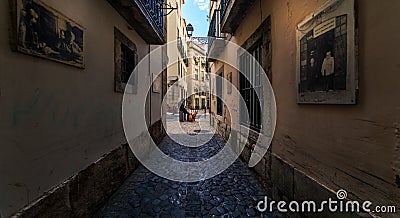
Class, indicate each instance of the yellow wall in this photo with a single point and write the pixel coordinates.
(353, 147)
(176, 27)
(195, 50)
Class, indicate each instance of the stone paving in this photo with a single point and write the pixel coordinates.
(234, 193)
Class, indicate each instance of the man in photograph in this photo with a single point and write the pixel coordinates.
(328, 71)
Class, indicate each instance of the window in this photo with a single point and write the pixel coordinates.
(219, 93)
(249, 67)
(340, 51)
(125, 60)
(127, 63)
(179, 68)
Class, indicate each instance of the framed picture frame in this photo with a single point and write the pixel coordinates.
(327, 65)
(39, 30)
(157, 83)
(229, 85)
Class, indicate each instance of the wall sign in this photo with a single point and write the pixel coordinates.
(44, 32)
(326, 55)
(157, 83)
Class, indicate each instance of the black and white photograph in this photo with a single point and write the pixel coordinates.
(44, 32)
(326, 68)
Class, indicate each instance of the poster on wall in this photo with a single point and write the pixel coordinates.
(229, 86)
(44, 32)
(326, 55)
(157, 83)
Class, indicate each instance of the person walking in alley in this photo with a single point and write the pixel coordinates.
(183, 113)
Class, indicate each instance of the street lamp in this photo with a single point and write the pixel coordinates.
(189, 29)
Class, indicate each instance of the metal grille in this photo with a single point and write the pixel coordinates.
(154, 7)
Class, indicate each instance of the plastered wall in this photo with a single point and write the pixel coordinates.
(56, 119)
(351, 147)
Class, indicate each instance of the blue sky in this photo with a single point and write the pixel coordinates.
(196, 12)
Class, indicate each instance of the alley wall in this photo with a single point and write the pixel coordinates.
(55, 119)
(351, 147)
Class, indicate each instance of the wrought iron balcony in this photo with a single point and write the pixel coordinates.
(223, 7)
(145, 16)
(212, 31)
(232, 12)
(181, 49)
(154, 7)
(216, 42)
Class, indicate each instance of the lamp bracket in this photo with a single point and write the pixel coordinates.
(165, 6)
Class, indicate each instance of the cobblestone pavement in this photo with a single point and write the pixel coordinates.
(234, 193)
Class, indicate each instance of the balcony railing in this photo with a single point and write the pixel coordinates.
(154, 7)
(212, 31)
(181, 49)
(201, 40)
(145, 16)
(232, 13)
(216, 41)
(223, 6)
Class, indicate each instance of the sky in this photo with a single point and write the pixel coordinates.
(196, 12)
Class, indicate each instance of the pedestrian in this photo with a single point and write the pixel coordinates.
(183, 113)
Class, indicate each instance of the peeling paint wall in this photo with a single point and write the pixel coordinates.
(351, 147)
(56, 119)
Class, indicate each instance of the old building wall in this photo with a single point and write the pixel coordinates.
(58, 119)
(351, 147)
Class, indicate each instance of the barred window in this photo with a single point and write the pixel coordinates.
(251, 69)
(125, 60)
(127, 63)
(220, 92)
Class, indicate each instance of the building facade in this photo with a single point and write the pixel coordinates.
(198, 76)
(64, 68)
(177, 46)
(321, 148)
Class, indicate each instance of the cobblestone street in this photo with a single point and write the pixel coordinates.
(234, 193)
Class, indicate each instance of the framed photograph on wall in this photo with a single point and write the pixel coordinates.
(229, 85)
(327, 68)
(157, 84)
(42, 31)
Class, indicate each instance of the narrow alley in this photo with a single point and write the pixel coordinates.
(199, 108)
(234, 193)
